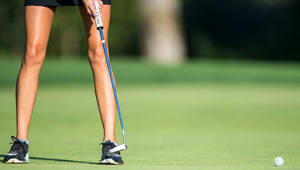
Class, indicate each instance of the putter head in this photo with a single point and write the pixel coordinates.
(119, 148)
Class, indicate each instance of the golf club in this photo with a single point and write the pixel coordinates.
(100, 27)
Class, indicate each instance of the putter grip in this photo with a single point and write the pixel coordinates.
(98, 18)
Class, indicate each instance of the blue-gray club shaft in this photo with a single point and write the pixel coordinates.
(112, 81)
(99, 25)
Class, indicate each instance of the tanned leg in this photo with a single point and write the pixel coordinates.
(38, 22)
(103, 88)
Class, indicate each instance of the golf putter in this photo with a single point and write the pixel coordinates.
(99, 25)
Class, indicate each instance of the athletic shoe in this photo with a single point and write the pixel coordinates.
(110, 158)
(18, 153)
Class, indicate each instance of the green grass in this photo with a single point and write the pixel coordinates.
(138, 72)
(211, 115)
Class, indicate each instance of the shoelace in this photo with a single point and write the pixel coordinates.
(17, 144)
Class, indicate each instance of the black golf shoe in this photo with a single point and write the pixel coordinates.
(110, 158)
(18, 153)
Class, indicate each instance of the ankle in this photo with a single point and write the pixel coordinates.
(23, 139)
(111, 139)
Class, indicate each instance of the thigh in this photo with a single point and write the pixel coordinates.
(38, 21)
(92, 33)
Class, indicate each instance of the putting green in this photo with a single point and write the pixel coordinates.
(195, 125)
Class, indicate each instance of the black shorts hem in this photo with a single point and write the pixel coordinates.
(58, 2)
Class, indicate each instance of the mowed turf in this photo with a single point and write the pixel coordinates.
(237, 122)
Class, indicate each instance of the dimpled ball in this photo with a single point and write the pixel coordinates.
(278, 161)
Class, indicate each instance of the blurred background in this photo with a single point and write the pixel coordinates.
(202, 83)
(172, 31)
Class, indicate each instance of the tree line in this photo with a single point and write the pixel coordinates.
(171, 30)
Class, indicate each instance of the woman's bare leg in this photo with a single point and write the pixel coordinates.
(38, 22)
(103, 88)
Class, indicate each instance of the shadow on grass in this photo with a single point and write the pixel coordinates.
(58, 160)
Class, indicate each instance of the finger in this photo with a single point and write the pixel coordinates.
(86, 5)
(91, 9)
(88, 11)
(101, 3)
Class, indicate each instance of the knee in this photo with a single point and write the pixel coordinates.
(34, 56)
(96, 56)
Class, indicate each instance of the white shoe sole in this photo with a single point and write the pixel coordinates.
(110, 162)
(17, 161)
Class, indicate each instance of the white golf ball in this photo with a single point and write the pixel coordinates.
(278, 161)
